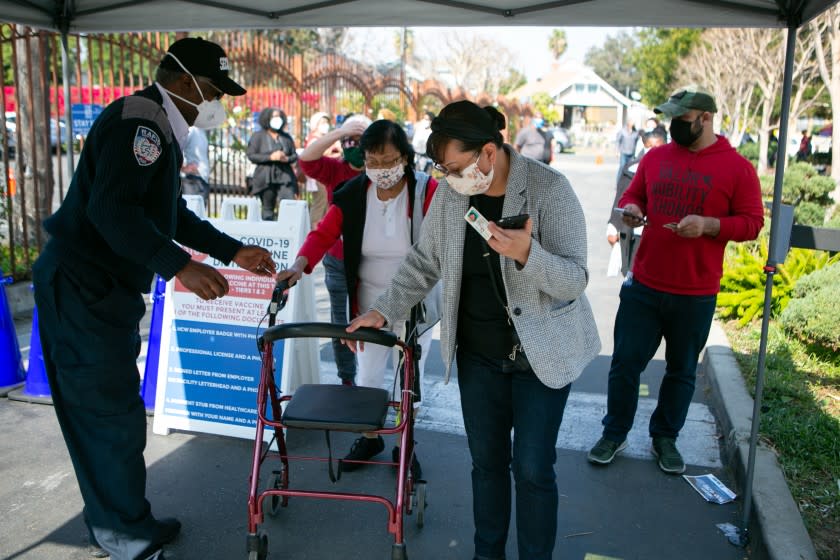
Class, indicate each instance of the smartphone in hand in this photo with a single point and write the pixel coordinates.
(625, 212)
(513, 222)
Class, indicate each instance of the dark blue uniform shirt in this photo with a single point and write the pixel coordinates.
(124, 207)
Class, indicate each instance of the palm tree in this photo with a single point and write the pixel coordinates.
(557, 43)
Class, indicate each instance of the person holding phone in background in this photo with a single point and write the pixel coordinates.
(514, 317)
(693, 195)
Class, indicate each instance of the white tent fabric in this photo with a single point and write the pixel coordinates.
(190, 15)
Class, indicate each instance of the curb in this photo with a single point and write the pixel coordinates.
(776, 528)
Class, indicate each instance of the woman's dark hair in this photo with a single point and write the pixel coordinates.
(384, 132)
(471, 125)
(265, 117)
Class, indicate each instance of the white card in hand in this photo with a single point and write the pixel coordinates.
(478, 222)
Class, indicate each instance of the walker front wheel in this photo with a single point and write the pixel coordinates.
(257, 547)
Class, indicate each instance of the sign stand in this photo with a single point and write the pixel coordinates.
(209, 362)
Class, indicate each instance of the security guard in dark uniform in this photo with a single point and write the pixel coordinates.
(115, 229)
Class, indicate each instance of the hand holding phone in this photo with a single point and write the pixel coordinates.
(626, 213)
(513, 222)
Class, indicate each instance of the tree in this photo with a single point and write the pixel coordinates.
(719, 63)
(544, 104)
(464, 57)
(613, 61)
(826, 37)
(557, 43)
(515, 80)
(657, 58)
(741, 67)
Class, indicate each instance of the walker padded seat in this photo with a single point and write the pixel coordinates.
(337, 407)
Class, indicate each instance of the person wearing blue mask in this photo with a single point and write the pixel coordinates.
(531, 142)
(122, 221)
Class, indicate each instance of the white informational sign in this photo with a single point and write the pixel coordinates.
(209, 368)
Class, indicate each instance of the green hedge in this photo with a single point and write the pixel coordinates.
(813, 315)
(742, 285)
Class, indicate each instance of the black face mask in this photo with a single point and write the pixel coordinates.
(684, 133)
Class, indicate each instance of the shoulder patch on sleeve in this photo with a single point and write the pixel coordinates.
(146, 146)
(138, 107)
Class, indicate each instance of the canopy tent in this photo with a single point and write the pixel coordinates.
(100, 16)
(189, 15)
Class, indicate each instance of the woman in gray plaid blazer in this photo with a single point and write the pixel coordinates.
(514, 317)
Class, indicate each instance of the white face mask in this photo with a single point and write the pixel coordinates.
(472, 181)
(386, 178)
(276, 123)
(323, 128)
(211, 114)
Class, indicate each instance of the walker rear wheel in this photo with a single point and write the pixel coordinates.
(420, 489)
(276, 483)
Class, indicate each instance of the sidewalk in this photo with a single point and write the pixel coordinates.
(629, 510)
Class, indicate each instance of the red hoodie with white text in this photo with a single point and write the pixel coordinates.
(673, 182)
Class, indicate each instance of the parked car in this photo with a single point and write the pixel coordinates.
(57, 134)
(562, 139)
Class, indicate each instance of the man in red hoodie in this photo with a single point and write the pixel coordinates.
(693, 196)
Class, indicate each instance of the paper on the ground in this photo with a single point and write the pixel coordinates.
(712, 489)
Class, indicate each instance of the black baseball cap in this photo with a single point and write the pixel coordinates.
(202, 58)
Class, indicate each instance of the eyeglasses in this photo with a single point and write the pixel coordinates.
(456, 174)
(374, 164)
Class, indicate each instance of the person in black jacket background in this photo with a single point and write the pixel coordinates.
(273, 150)
(118, 226)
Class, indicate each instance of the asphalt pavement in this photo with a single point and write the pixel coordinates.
(628, 510)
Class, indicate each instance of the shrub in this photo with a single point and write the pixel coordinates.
(814, 317)
(802, 183)
(750, 151)
(742, 285)
(809, 214)
(834, 218)
(825, 277)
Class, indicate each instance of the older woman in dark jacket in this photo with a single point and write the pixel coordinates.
(273, 150)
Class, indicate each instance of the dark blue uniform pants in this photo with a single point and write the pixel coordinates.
(90, 338)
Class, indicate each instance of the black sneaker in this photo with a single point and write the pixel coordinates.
(416, 470)
(605, 451)
(363, 449)
(670, 460)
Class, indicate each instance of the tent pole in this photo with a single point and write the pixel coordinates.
(742, 537)
(68, 115)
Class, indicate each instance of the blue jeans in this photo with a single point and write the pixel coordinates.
(345, 359)
(496, 397)
(644, 317)
(622, 161)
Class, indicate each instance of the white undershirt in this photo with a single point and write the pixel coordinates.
(385, 243)
(179, 125)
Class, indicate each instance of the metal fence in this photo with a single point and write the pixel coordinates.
(104, 67)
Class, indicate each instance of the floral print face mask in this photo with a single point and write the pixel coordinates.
(470, 181)
(386, 178)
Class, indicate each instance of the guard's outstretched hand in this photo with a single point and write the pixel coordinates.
(255, 259)
(203, 280)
